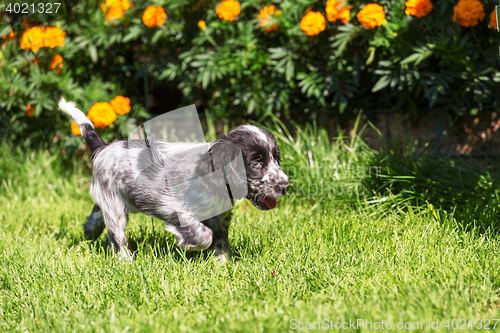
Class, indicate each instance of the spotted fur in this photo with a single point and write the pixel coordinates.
(117, 191)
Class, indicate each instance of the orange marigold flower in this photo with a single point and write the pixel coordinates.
(32, 39)
(154, 16)
(57, 63)
(29, 110)
(10, 36)
(114, 9)
(313, 23)
(53, 36)
(337, 10)
(121, 104)
(202, 25)
(102, 115)
(75, 129)
(468, 13)
(372, 15)
(228, 10)
(345, 15)
(37, 37)
(125, 4)
(493, 20)
(418, 8)
(114, 13)
(267, 18)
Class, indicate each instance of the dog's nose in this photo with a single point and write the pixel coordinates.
(283, 187)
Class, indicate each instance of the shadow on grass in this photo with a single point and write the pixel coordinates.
(144, 242)
(466, 190)
(147, 240)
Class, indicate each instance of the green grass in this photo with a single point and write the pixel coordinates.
(401, 250)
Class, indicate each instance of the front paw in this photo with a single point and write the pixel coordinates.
(222, 251)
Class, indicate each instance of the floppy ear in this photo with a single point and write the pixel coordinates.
(211, 176)
(227, 157)
(204, 165)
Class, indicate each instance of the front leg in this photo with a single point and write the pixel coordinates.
(192, 235)
(222, 249)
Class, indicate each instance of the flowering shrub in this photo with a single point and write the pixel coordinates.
(326, 60)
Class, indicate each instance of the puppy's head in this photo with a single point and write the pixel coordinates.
(266, 181)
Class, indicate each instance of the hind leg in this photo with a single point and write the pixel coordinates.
(116, 219)
(94, 226)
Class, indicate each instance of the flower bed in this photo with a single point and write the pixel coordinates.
(300, 60)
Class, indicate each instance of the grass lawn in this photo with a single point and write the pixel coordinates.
(419, 244)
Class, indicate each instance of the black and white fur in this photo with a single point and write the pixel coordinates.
(117, 193)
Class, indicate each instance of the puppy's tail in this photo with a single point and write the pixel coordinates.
(86, 127)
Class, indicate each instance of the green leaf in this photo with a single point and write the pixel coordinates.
(382, 83)
(290, 68)
(342, 103)
(206, 79)
(198, 64)
(371, 57)
(411, 58)
(134, 32)
(93, 53)
(251, 106)
(157, 36)
(277, 52)
(205, 56)
(5, 30)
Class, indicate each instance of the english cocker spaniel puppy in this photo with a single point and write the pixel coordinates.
(190, 186)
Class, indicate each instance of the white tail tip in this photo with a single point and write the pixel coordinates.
(63, 105)
(71, 109)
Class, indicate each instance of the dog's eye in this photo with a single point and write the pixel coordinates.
(259, 160)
